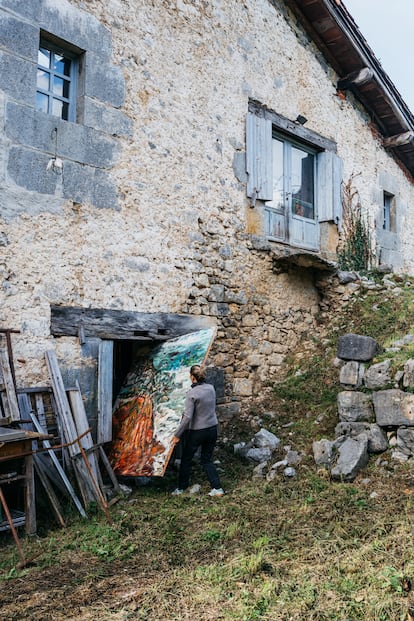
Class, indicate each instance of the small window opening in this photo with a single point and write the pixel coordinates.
(388, 212)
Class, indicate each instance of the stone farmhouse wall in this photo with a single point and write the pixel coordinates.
(150, 213)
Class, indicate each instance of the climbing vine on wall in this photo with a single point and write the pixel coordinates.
(355, 249)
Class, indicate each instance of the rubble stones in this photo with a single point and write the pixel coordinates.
(357, 347)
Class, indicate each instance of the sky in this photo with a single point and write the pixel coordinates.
(388, 27)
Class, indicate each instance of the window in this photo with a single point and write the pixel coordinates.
(56, 81)
(297, 175)
(388, 212)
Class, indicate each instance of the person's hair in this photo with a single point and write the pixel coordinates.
(198, 372)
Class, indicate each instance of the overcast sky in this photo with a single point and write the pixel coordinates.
(388, 27)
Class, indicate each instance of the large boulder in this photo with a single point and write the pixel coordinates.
(354, 406)
(394, 408)
(353, 455)
(357, 347)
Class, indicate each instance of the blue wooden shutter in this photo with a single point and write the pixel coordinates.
(328, 187)
(259, 158)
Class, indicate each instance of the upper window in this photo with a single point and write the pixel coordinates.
(56, 81)
(296, 174)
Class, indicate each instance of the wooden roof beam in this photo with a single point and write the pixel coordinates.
(356, 78)
(398, 140)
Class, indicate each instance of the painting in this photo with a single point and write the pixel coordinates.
(151, 403)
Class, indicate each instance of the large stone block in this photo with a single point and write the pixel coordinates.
(378, 375)
(103, 82)
(405, 441)
(408, 377)
(352, 373)
(27, 168)
(104, 118)
(51, 134)
(357, 347)
(29, 10)
(18, 78)
(87, 184)
(394, 408)
(19, 37)
(354, 406)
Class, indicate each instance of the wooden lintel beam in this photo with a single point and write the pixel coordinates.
(114, 324)
(356, 78)
(398, 140)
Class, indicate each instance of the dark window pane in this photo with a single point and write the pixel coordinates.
(42, 80)
(61, 109)
(42, 102)
(44, 57)
(302, 183)
(61, 64)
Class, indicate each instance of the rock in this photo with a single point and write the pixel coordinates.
(289, 472)
(357, 347)
(405, 441)
(259, 470)
(195, 489)
(352, 373)
(293, 458)
(378, 375)
(264, 438)
(346, 277)
(257, 455)
(354, 406)
(353, 455)
(394, 408)
(323, 452)
(408, 377)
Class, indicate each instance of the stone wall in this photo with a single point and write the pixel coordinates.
(179, 235)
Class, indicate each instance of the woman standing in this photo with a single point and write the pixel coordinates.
(200, 422)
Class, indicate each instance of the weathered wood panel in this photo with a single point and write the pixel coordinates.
(118, 324)
(105, 382)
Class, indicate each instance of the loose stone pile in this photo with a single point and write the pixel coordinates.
(376, 410)
(260, 450)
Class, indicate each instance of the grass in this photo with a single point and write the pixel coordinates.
(286, 550)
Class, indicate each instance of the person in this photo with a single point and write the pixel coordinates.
(200, 423)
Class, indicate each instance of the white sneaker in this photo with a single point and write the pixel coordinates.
(216, 492)
(177, 492)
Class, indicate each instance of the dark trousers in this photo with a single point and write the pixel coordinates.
(195, 438)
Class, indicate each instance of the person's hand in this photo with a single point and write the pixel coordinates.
(175, 440)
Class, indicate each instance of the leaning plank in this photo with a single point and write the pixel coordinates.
(105, 381)
(9, 385)
(62, 402)
(69, 427)
(53, 499)
(82, 426)
(25, 404)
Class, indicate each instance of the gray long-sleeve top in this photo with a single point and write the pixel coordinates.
(200, 409)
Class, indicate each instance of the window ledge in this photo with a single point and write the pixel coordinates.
(284, 258)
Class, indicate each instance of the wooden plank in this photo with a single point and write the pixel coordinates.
(9, 384)
(62, 403)
(58, 467)
(82, 426)
(105, 382)
(113, 324)
(50, 492)
(109, 470)
(69, 428)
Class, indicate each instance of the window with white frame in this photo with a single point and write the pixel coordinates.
(297, 175)
(56, 81)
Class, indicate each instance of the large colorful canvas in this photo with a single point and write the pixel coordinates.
(150, 404)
